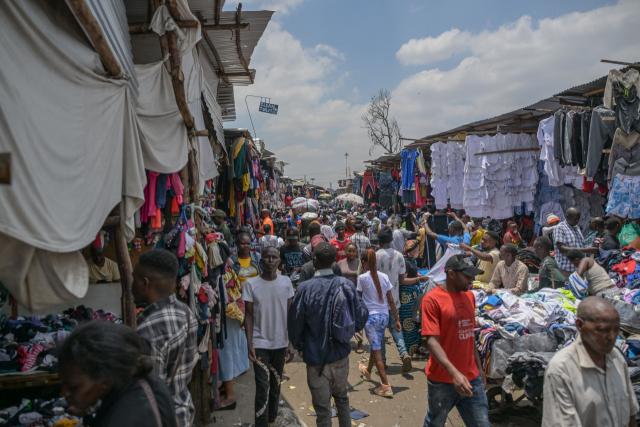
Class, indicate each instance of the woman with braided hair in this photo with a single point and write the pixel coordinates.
(409, 291)
(375, 289)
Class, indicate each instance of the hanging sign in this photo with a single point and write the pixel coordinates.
(268, 108)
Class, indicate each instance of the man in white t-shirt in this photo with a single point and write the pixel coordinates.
(270, 240)
(267, 299)
(391, 262)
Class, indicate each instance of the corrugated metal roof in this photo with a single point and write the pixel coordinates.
(225, 43)
(227, 102)
(112, 18)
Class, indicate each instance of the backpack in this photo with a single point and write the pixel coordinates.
(343, 318)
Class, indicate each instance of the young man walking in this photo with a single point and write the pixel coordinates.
(454, 371)
(309, 322)
(391, 262)
(168, 326)
(267, 299)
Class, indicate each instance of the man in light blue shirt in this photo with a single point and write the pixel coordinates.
(458, 232)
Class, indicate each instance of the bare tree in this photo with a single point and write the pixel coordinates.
(383, 130)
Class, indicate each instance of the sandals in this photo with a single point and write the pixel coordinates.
(365, 372)
(384, 390)
(360, 351)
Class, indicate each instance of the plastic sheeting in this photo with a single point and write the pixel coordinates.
(502, 349)
(75, 150)
(163, 135)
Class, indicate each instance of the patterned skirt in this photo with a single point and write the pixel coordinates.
(410, 330)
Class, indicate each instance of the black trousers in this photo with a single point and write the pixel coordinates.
(268, 372)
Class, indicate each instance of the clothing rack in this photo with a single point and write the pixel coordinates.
(576, 107)
(514, 150)
(503, 131)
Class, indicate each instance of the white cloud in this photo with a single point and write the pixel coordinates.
(433, 49)
(313, 122)
(330, 50)
(510, 67)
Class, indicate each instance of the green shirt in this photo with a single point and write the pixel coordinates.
(548, 268)
(222, 228)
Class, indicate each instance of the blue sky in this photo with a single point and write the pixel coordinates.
(446, 63)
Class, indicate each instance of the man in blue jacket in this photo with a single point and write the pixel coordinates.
(309, 326)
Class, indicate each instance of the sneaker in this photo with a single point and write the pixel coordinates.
(406, 363)
(384, 390)
(365, 372)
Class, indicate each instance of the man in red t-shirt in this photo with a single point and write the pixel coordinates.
(454, 371)
(340, 242)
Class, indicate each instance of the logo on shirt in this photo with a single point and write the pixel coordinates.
(465, 321)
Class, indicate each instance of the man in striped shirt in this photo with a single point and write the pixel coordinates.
(361, 241)
(168, 327)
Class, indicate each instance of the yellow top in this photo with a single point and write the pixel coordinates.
(245, 262)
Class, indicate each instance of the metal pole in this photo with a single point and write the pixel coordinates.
(245, 103)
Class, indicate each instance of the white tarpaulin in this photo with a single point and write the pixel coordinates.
(194, 85)
(74, 145)
(163, 135)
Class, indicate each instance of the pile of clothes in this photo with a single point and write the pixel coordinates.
(46, 413)
(26, 342)
(527, 371)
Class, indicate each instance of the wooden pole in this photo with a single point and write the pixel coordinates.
(629, 64)
(177, 80)
(126, 275)
(5, 168)
(238, 45)
(94, 32)
(164, 44)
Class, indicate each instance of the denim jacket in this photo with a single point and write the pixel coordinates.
(255, 261)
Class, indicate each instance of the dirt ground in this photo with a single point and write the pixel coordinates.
(407, 407)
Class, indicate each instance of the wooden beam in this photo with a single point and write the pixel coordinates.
(242, 74)
(177, 79)
(218, 11)
(593, 92)
(144, 28)
(513, 150)
(5, 168)
(164, 44)
(173, 9)
(112, 221)
(207, 39)
(238, 44)
(628, 64)
(126, 275)
(225, 27)
(94, 32)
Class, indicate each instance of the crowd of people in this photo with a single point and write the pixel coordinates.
(356, 273)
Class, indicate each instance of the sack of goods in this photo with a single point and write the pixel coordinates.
(300, 204)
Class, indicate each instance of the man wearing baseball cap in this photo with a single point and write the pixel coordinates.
(454, 371)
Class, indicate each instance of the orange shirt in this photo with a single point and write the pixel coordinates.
(266, 221)
(451, 316)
